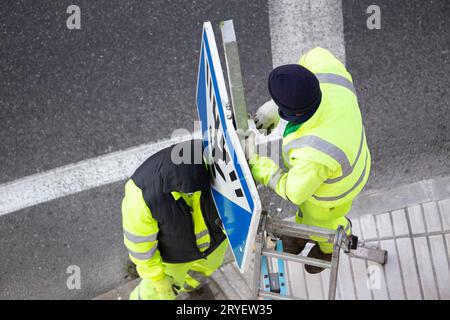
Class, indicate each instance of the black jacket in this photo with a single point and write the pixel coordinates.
(157, 177)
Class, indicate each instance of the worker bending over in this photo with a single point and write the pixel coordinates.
(171, 227)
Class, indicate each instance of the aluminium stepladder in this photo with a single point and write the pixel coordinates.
(270, 227)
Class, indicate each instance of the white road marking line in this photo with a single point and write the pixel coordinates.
(298, 26)
(84, 175)
(77, 177)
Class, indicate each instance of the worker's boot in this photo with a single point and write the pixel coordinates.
(293, 245)
(318, 254)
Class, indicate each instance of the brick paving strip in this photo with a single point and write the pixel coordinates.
(411, 222)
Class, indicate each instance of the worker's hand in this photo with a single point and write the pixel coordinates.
(166, 288)
(266, 117)
(144, 291)
(248, 142)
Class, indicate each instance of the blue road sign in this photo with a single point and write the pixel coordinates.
(232, 186)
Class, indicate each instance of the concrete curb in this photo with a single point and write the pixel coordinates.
(402, 196)
(120, 293)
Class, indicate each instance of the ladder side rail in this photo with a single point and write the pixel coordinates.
(259, 246)
(281, 270)
(296, 258)
(234, 75)
(339, 238)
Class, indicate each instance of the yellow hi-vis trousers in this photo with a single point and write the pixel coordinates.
(187, 275)
(329, 218)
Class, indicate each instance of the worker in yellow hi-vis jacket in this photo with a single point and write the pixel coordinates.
(171, 227)
(324, 145)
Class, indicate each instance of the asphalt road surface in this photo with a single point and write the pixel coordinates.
(128, 77)
(402, 75)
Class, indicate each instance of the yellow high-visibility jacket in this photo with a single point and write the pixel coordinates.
(327, 157)
(141, 230)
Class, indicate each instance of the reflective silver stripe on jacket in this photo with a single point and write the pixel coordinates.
(336, 79)
(144, 255)
(273, 182)
(203, 245)
(322, 145)
(328, 148)
(346, 174)
(339, 80)
(201, 234)
(357, 183)
(140, 239)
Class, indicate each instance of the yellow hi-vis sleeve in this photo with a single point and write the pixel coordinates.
(203, 239)
(297, 185)
(140, 234)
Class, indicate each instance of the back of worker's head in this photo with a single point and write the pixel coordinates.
(185, 171)
(296, 92)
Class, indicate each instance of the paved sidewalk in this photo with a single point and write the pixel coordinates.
(417, 239)
(416, 236)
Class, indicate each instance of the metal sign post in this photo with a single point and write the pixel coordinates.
(234, 75)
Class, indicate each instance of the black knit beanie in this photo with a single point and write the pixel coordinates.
(295, 90)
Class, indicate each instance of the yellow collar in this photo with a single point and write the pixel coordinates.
(186, 197)
(176, 195)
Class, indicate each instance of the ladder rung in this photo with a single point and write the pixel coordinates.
(294, 258)
(293, 229)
